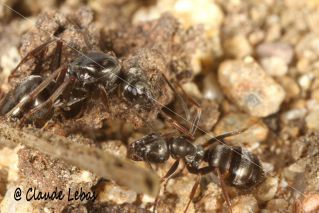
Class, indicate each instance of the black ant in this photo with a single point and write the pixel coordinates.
(233, 165)
(68, 86)
(37, 97)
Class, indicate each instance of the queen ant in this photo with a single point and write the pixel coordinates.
(233, 165)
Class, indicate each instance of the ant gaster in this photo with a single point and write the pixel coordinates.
(233, 165)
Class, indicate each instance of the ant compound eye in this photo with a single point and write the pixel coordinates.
(138, 93)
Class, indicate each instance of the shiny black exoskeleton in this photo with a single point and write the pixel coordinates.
(136, 89)
(96, 71)
(239, 167)
(233, 165)
(95, 68)
(35, 98)
(155, 148)
(19, 93)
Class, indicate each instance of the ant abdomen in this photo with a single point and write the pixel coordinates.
(19, 93)
(238, 167)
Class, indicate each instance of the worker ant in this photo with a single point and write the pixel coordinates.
(68, 86)
(233, 165)
(35, 98)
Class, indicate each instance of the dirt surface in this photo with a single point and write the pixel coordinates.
(246, 63)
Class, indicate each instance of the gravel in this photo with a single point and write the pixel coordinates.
(247, 63)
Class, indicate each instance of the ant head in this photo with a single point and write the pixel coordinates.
(137, 90)
(96, 67)
(151, 148)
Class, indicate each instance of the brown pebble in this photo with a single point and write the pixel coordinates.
(247, 84)
(245, 204)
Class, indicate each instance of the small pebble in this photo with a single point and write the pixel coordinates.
(305, 81)
(245, 204)
(9, 162)
(192, 90)
(297, 167)
(247, 84)
(308, 47)
(211, 89)
(290, 86)
(293, 115)
(310, 203)
(277, 50)
(117, 147)
(8, 204)
(315, 95)
(312, 105)
(211, 197)
(267, 190)
(182, 187)
(297, 149)
(199, 12)
(312, 120)
(277, 205)
(256, 36)
(237, 46)
(117, 194)
(303, 65)
(257, 130)
(274, 66)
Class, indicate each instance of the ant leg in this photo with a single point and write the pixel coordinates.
(38, 61)
(56, 61)
(198, 109)
(223, 187)
(208, 169)
(177, 125)
(41, 112)
(165, 179)
(171, 171)
(181, 99)
(225, 135)
(192, 194)
(104, 96)
(194, 123)
(36, 91)
(32, 53)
